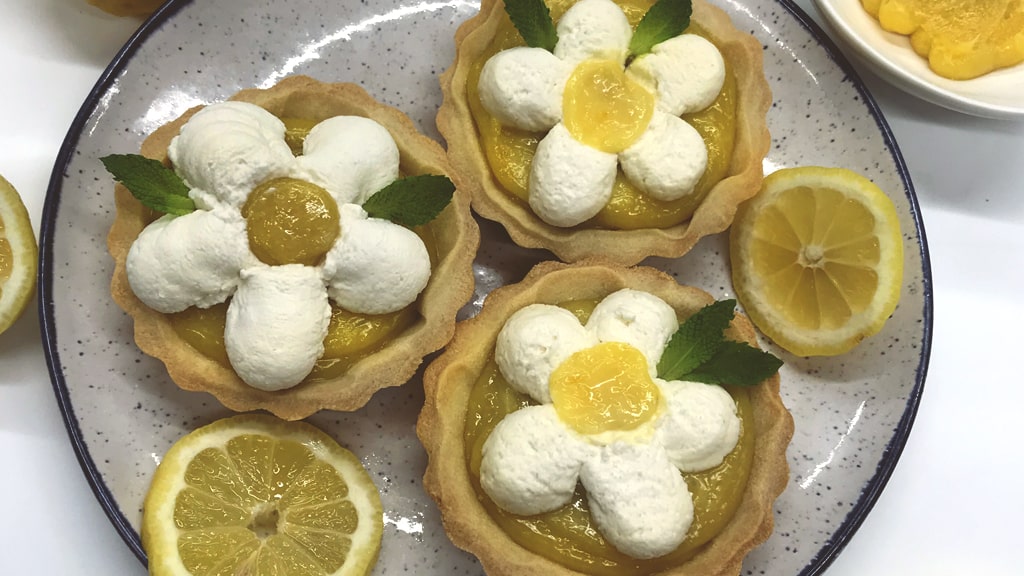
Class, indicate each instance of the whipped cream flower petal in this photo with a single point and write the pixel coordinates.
(637, 318)
(668, 160)
(376, 266)
(569, 181)
(593, 29)
(686, 72)
(638, 499)
(190, 260)
(349, 156)
(700, 427)
(523, 87)
(533, 342)
(226, 150)
(276, 324)
(533, 462)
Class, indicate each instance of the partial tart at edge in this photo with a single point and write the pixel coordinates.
(450, 378)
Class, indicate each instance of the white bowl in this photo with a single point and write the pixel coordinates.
(999, 94)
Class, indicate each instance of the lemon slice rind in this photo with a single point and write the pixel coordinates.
(750, 287)
(16, 292)
(160, 535)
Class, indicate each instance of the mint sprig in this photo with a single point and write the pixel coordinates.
(411, 201)
(533, 21)
(699, 352)
(153, 184)
(665, 19)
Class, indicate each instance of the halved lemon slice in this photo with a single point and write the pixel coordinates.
(18, 256)
(817, 259)
(260, 496)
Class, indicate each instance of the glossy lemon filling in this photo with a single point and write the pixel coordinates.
(568, 536)
(509, 151)
(291, 221)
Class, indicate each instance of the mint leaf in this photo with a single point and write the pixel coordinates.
(696, 341)
(533, 20)
(411, 201)
(666, 19)
(738, 364)
(152, 183)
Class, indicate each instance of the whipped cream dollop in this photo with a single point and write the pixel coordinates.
(637, 497)
(278, 315)
(569, 181)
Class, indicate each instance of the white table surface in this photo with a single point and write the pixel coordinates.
(952, 506)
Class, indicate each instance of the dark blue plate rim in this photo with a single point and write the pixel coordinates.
(829, 551)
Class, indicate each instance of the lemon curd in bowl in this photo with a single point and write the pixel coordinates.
(632, 224)
(363, 352)
(467, 397)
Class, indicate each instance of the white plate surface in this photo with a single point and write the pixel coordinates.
(852, 413)
(999, 94)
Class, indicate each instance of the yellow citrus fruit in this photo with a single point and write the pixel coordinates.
(817, 259)
(18, 256)
(259, 496)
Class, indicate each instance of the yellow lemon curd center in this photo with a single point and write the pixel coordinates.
(604, 388)
(568, 535)
(292, 221)
(603, 108)
(510, 151)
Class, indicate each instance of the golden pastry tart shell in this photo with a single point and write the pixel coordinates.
(450, 378)
(715, 213)
(451, 282)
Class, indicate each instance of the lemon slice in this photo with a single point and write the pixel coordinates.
(18, 255)
(817, 259)
(258, 496)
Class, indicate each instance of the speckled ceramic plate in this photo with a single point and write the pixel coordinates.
(853, 413)
(999, 94)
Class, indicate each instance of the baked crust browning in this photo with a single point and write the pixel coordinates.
(716, 211)
(451, 283)
(450, 378)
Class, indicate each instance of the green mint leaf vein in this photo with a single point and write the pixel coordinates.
(696, 341)
(738, 364)
(153, 184)
(533, 20)
(411, 201)
(665, 19)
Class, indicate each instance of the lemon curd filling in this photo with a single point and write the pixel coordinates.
(568, 535)
(291, 221)
(594, 87)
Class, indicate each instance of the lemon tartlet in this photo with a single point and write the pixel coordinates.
(639, 218)
(364, 350)
(516, 521)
